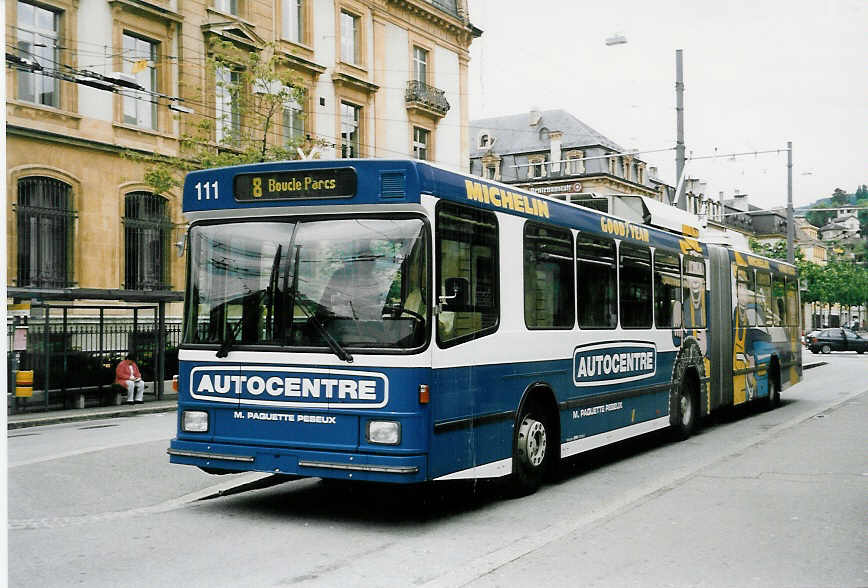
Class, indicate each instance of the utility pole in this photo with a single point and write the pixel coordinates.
(679, 131)
(791, 229)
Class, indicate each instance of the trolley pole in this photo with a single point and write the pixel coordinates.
(681, 199)
(791, 229)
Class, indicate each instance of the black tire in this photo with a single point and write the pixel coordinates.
(814, 350)
(532, 449)
(825, 349)
(685, 409)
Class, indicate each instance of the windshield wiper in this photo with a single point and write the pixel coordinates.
(332, 342)
(226, 344)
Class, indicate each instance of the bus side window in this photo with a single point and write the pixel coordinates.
(548, 277)
(793, 302)
(779, 308)
(693, 280)
(667, 290)
(745, 297)
(467, 253)
(764, 299)
(597, 295)
(634, 264)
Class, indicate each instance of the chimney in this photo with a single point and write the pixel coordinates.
(555, 150)
(535, 117)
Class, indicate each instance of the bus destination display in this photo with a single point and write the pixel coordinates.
(296, 185)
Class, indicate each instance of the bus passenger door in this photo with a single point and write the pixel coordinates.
(720, 327)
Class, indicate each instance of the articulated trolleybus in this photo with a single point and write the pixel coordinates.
(392, 321)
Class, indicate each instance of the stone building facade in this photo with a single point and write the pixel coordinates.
(554, 153)
(93, 80)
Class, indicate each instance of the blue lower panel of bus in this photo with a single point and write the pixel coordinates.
(331, 464)
(474, 408)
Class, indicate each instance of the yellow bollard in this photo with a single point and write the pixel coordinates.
(24, 384)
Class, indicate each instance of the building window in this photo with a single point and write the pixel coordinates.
(350, 38)
(420, 65)
(228, 116)
(575, 163)
(140, 57)
(146, 236)
(537, 167)
(230, 6)
(350, 117)
(293, 119)
(45, 223)
(293, 20)
(612, 165)
(491, 172)
(483, 141)
(37, 30)
(420, 142)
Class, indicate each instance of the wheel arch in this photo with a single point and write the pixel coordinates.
(542, 394)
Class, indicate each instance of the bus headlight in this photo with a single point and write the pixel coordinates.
(194, 421)
(384, 432)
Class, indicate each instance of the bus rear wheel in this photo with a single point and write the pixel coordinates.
(685, 410)
(532, 450)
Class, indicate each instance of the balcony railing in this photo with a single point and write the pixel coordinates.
(420, 94)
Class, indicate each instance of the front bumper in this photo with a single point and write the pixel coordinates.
(401, 469)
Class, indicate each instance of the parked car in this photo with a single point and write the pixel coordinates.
(806, 339)
(838, 339)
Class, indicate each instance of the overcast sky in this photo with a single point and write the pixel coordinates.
(757, 73)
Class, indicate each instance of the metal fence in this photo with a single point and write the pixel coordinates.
(69, 352)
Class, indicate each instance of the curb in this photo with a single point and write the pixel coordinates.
(815, 364)
(22, 422)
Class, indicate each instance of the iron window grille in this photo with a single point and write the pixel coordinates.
(45, 224)
(146, 242)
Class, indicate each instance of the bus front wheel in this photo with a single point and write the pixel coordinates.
(532, 450)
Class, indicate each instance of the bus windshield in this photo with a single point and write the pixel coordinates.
(341, 283)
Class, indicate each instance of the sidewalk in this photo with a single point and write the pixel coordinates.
(169, 403)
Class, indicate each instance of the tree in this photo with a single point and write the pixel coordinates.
(819, 216)
(260, 87)
(840, 197)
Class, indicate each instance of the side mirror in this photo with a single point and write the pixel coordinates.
(457, 295)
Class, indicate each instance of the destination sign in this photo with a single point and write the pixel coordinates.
(296, 185)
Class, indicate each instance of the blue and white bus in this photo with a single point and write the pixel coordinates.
(393, 321)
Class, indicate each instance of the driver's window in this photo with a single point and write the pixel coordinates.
(467, 278)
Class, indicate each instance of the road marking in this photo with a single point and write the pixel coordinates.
(221, 489)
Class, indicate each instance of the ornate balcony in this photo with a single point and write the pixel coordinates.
(428, 99)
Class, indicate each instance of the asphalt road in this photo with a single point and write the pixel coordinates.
(762, 499)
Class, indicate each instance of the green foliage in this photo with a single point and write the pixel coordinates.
(819, 216)
(840, 197)
(839, 282)
(777, 250)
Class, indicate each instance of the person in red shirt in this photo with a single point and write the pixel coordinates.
(128, 376)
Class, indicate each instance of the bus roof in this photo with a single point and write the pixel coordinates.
(283, 184)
